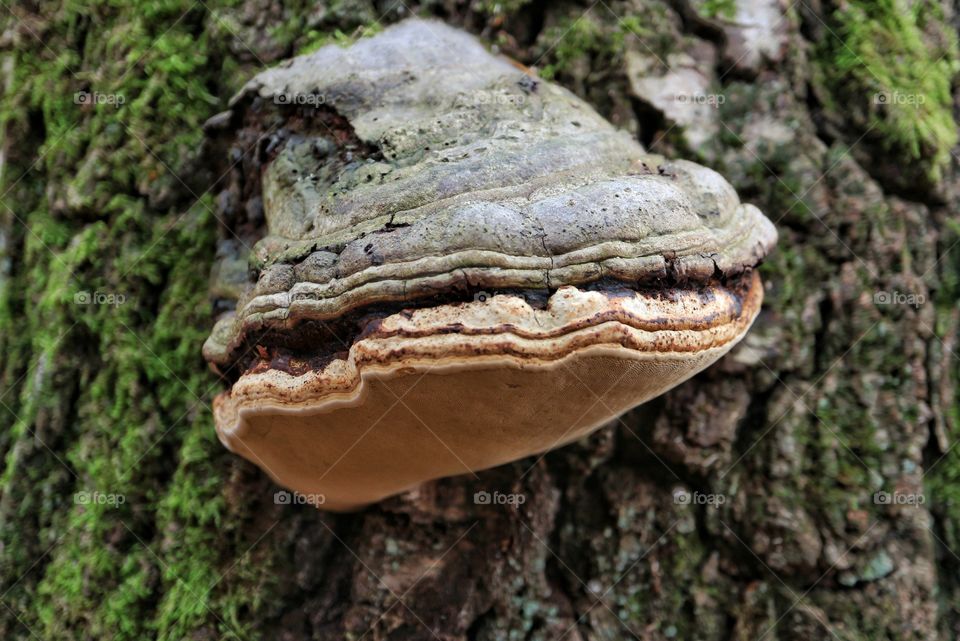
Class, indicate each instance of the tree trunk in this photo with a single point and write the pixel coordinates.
(804, 487)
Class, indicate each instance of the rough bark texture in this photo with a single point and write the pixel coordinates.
(805, 487)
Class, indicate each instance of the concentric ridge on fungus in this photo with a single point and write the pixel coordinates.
(407, 174)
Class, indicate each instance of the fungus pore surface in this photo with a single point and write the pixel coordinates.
(436, 262)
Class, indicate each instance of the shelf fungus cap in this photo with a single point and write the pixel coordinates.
(461, 265)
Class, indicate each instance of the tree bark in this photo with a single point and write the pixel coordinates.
(804, 487)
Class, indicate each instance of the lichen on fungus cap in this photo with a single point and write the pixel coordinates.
(461, 265)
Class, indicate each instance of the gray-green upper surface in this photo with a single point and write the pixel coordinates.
(484, 176)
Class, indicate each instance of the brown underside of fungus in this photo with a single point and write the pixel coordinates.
(457, 265)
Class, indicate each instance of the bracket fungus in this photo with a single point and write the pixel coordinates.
(456, 265)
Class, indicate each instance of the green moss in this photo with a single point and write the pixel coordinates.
(110, 398)
(719, 9)
(500, 7)
(316, 39)
(588, 36)
(896, 61)
(684, 609)
(942, 474)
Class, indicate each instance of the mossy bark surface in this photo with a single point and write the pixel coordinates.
(805, 487)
